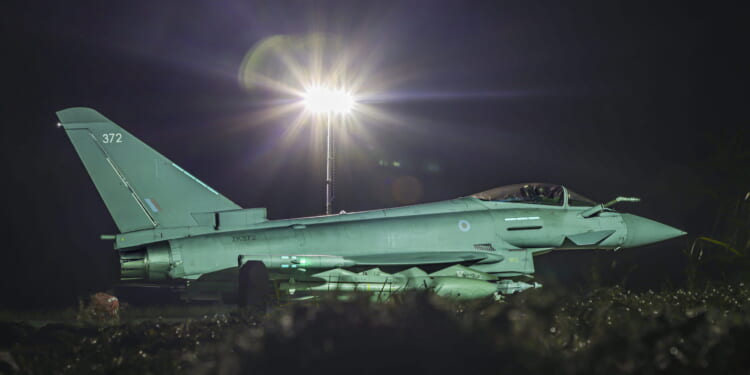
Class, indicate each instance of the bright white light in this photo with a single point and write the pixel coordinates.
(325, 100)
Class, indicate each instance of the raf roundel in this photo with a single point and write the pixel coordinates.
(464, 225)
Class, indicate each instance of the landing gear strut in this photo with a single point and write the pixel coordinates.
(254, 289)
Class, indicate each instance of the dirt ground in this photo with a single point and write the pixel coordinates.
(607, 331)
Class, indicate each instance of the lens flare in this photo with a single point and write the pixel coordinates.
(300, 82)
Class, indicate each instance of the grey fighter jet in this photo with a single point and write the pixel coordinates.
(174, 229)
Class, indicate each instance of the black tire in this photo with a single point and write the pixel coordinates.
(254, 289)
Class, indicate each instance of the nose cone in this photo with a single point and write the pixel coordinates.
(642, 231)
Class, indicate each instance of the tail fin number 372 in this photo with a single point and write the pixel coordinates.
(112, 138)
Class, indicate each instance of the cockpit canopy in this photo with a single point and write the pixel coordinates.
(534, 193)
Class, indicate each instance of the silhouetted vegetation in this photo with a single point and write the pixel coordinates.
(722, 250)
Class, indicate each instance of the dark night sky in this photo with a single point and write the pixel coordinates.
(627, 98)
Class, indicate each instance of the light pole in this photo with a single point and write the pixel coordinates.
(329, 165)
(322, 99)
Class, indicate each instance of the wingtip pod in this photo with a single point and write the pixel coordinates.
(80, 115)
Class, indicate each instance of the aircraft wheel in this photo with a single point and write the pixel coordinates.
(254, 289)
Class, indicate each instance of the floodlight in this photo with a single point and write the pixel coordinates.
(325, 100)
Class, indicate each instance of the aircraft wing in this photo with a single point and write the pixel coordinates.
(405, 259)
(395, 259)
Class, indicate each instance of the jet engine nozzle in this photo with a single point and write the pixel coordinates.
(151, 263)
(642, 231)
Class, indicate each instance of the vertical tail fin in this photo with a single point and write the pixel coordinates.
(141, 188)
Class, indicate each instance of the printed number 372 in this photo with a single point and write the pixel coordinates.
(112, 137)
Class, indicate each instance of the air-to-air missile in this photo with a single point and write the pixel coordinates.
(175, 229)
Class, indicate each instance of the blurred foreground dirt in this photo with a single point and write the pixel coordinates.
(608, 331)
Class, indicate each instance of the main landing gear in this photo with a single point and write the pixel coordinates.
(255, 287)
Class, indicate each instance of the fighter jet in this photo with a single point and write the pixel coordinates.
(175, 230)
